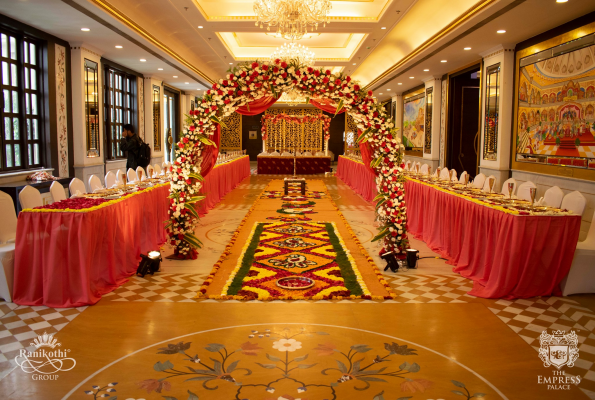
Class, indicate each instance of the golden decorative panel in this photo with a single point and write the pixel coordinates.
(351, 133)
(231, 134)
(285, 136)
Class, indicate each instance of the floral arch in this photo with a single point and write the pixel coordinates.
(251, 88)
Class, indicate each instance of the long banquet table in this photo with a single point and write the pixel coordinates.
(507, 254)
(358, 177)
(70, 258)
(305, 165)
(222, 179)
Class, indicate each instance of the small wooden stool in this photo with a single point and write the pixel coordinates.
(300, 182)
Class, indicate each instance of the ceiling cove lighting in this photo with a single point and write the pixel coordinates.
(292, 18)
(119, 47)
(500, 31)
(561, 1)
(85, 29)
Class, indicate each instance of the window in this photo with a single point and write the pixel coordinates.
(492, 104)
(21, 102)
(91, 111)
(120, 105)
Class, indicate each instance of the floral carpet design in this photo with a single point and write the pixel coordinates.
(292, 363)
(306, 249)
(279, 194)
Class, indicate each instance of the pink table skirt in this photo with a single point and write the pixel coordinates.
(221, 180)
(71, 259)
(507, 256)
(357, 177)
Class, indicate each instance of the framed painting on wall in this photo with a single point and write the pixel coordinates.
(413, 123)
(554, 124)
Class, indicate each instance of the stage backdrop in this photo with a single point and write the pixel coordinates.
(413, 122)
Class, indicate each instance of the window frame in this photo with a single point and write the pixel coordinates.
(25, 93)
(128, 106)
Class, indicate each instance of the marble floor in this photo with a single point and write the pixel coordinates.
(431, 298)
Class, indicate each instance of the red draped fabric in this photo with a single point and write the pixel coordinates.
(255, 107)
(326, 105)
(210, 153)
(366, 152)
(222, 180)
(357, 177)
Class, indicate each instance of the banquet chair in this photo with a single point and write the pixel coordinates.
(298, 154)
(57, 192)
(407, 165)
(425, 169)
(486, 184)
(444, 174)
(94, 183)
(8, 231)
(286, 154)
(76, 185)
(523, 191)
(553, 197)
(505, 186)
(308, 153)
(138, 173)
(462, 177)
(453, 175)
(131, 174)
(110, 179)
(320, 154)
(574, 202)
(119, 177)
(158, 170)
(30, 197)
(479, 181)
(150, 171)
(581, 277)
(275, 153)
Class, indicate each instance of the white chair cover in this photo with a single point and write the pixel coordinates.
(407, 165)
(132, 177)
(581, 278)
(275, 153)
(158, 170)
(479, 181)
(119, 177)
(553, 197)
(320, 153)
(462, 177)
(150, 171)
(30, 197)
(298, 154)
(505, 186)
(76, 186)
(308, 154)
(425, 169)
(486, 184)
(453, 175)
(94, 183)
(445, 174)
(8, 216)
(57, 192)
(574, 202)
(523, 190)
(138, 173)
(286, 154)
(110, 179)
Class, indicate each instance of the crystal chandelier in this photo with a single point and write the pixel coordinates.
(292, 18)
(292, 98)
(294, 51)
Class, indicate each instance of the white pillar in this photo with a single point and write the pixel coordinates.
(500, 166)
(85, 166)
(156, 156)
(397, 100)
(432, 155)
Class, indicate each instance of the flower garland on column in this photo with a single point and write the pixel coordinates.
(297, 119)
(251, 81)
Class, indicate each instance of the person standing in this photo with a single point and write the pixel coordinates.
(131, 143)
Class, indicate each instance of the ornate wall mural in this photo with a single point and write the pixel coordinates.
(141, 107)
(413, 122)
(61, 111)
(555, 116)
(284, 136)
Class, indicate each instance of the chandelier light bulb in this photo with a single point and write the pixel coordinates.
(292, 51)
(292, 97)
(292, 19)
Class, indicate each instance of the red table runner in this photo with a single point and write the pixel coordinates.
(506, 255)
(278, 165)
(70, 258)
(358, 177)
(221, 180)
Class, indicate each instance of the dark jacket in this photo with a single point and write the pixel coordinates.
(131, 144)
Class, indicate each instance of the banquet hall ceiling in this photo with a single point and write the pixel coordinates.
(386, 44)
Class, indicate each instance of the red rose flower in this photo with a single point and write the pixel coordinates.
(356, 88)
(328, 72)
(283, 64)
(254, 65)
(225, 82)
(191, 128)
(277, 61)
(265, 67)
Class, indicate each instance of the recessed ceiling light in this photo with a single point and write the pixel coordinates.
(175, 76)
(411, 77)
(467, 48)
(501, 31)
(85, 29)
(388, 90)
(159, 69)
(384, 27)
(561, 1)
(442, 61)
(142, 60)
(200, 27)
(354, 63)
(230, 63)
(426, 70)
(187, 83)
(379, 93)
(118, 46)
(399, 83)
